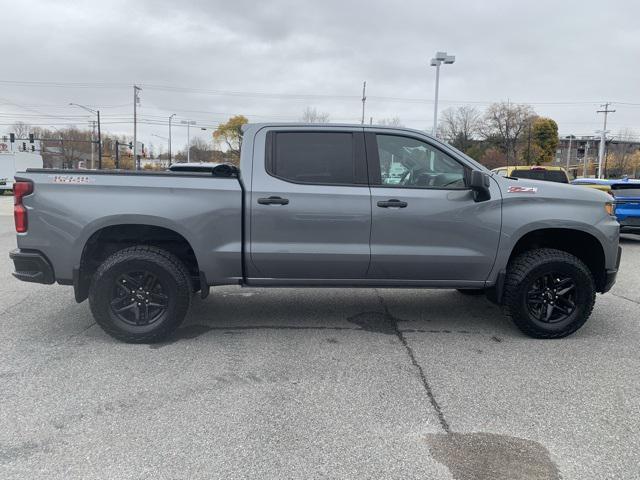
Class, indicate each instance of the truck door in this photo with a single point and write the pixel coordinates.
(425, 223)
(310, 205)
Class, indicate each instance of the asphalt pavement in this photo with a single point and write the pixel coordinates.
(318, 383)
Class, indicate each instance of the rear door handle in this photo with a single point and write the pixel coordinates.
(273, 201)
(393, 203)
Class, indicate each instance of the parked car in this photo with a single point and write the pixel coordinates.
(597, 183)
(12, 162)
(534, 172)
(626, 193)
(316, 206)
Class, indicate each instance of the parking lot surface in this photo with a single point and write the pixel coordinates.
(312, 383)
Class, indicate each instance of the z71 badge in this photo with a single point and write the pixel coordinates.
(522, 190)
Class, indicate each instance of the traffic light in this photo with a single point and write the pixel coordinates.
(24, 146)
(33, 148)
(12, 137)
(31, 138)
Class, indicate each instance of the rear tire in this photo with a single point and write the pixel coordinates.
(548, 293)
(140, 294)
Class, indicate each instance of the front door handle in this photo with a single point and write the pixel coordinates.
(273, 201)
(393, 203)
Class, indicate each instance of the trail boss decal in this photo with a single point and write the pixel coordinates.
(74, 179)
(522, 190)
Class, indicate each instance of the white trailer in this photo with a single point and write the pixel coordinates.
(10, 163)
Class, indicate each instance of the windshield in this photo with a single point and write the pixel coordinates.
(547, 175)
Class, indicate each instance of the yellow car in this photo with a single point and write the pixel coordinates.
(534, 172)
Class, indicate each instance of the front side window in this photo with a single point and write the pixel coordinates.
(407, 162)
(313, 157)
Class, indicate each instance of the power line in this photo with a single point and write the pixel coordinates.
(282, 95)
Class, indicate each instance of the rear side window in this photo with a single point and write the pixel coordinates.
(626, 190)
(326, 158)
(547, 175)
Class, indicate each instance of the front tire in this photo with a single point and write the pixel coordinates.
(548, 293)
(140, 294)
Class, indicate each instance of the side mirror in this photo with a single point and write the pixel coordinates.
(480, 184)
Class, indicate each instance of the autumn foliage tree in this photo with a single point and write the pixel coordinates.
(544, 133)
(229, 136)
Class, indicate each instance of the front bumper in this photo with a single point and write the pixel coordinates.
(32, 266)
(610, 275)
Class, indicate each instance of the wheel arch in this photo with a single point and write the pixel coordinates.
(582, 244)
(105, 239)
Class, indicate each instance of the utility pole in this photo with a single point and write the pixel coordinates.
(586, 154)
(136, 99)
(93, 146)
(99, 143)
(364, 99)
(603, 137)
(529, 144)
(170, 117)
(569, 153)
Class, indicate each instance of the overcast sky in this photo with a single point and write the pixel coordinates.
(268, 60)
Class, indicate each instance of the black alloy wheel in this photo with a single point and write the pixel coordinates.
(139, 298)
(551, 298)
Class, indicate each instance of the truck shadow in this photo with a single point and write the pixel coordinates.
(232, 310)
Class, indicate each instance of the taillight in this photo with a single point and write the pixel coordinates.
(20, 189)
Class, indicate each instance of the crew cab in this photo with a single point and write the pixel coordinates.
(322, 206)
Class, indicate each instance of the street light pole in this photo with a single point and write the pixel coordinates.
(170, 117)
(97, 113)
(439, 59)
(188, 123)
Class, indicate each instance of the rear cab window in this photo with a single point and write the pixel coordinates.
(547, 175)
(629, 190)
(322, 157)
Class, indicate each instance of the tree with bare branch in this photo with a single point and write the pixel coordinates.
(312, 115)
(505, 124)
(391, 122)
(459, 126)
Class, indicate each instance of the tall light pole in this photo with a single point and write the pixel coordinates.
(170, 117)
(439, 59)
(188, 123)
(97, 113)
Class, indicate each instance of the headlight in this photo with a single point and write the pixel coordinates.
(610, 208)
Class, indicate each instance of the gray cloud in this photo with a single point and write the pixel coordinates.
(541, 52)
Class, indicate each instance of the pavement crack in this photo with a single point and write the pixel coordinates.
(626, 298)
(393, 323)
(74, 335)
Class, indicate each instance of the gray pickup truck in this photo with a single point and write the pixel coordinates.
(316, 206)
